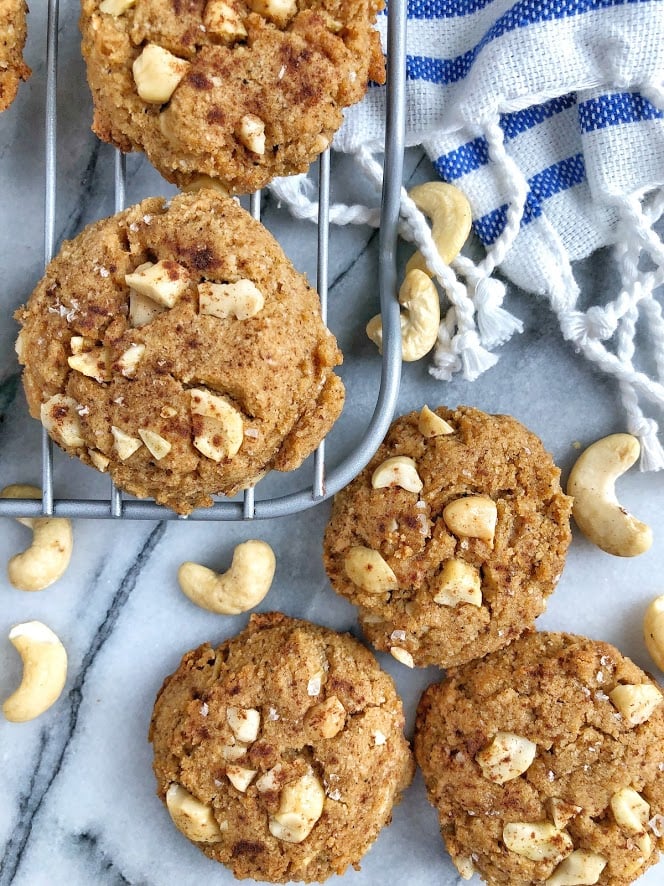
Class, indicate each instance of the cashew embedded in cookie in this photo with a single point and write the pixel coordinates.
(562, 812)
(473, 516)
(242, 299)
(278, 11)
(507, 756)
(451, 218)
(223, 20)
(430, 424)
(59, 415)
(92, 363)
(537, 840)
(218, 426)
(44, 671)
(636, 702)
(239, 589)
(240, 777)
(128, 362)
(47, 558)
(399, 470)
(158, 446)
(251, 134)
(124, 444)
(115, 7)
(368, 570)
(164, 281)
(632, 813)
(191, 817)
(300, 806)
(459, 582)
(245, 723)
(143, 309)
(327, 718)
(581, 868)
(157, 73)
(596, 510)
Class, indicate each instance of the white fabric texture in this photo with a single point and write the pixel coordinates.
(549, 116)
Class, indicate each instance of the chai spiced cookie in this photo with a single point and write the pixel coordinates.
(13, 33)
(281, 753)
(239, 90)
(452, 538)
(545, 762)
(175, 346)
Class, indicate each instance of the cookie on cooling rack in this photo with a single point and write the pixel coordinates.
(281, 752)
(452, 537)
(175, 346)
(240, 90)
(545, 762)
(12, 40)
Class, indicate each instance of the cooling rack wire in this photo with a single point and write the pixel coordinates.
(326, 480)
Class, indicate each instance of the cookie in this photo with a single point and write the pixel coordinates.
(451, 539)
(12, 40)
(545, 762)
(286, 742)
(239, 90)
(175, 346)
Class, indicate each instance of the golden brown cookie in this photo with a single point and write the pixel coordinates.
(545, 762)
(12, 40)
(452, 538)
(240, 90)
(286, 742)
(175, 346)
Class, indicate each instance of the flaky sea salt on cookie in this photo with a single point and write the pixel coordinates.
(281, 752)
(176, 347)
(452, 538)
(240, 90)
(545, 762)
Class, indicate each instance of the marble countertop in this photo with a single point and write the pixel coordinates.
(78, 794)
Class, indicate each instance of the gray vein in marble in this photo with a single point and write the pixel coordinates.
(8, 389)
(91, 844)
(53, 748)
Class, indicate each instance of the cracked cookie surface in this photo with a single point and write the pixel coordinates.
(239, 90)
(590, 791)
(13, 33)
(175, 346)
(452, 596)
(284, 704)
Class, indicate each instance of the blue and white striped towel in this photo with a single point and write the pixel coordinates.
(549, 115)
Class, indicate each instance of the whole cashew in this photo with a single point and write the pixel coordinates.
(241, 588)
(47, 558)
(596, 510)
(44, 671)
(451, 218)
(419, 321)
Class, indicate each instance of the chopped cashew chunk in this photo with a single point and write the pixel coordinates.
(537, 840)
(581, 868)
(124, 444)
(473, 515)
(143, 309)
(128, 362)
(252, 133)
(164, 281)
(115, 7)
(507, 756)
(653, 630)
(92, 363)
(240, 777)
(158, 446)
(222, 20)
(241, 300)
(459, 582)
(399, 470)
(191, 817)
(300, 807)
(636, 702)
(157, 73)
(368, 570)
(432, 425)
(60, 417)
(245, 723)
(218, 427)
(278, 11)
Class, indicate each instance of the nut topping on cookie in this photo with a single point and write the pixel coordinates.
(222, 20)
(252, 133)
(369, 571)
(157, 445)
(142, 309)
(218, 426)
(399, 470)
(506, 757)
(240, 777)
(459, 582)
(127, 362)
(581, 868)
(59, 415)
(300, 807)
(537, 840)
(92, 363)
(244, 722)
(157, 73)
(193, 818)
(163, 282)
(125, 445)
(115, 7)
(241, 300)
(432, 425)
(636, 702)
(474, 516)
(562, 812)
(278, 11)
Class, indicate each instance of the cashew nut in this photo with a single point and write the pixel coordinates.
(367, 569)
(300, 806)
(419, 321)
(636, 702)
(537, 840)
(400, 470)
(473, 515)
(581, 868)
(239, 589)
(507, 756)
(45, 561)
(44, 671)
(430, 424)
(596, 510)
(191, 817)
(451, 218)
(653, 630)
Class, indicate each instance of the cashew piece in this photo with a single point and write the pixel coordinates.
(596, 510)
(191, 817)
(653, 630)
(239, 589)
(451, 218)
(44, 671)
(47, 558)
(419, 321)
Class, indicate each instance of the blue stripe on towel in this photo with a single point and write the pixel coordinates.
(615, 109)
(550, 181)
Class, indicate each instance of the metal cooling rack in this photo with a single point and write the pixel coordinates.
(325, 481)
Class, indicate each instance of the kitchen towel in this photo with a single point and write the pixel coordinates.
(549, 115)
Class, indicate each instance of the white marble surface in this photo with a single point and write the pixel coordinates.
(78, 795)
